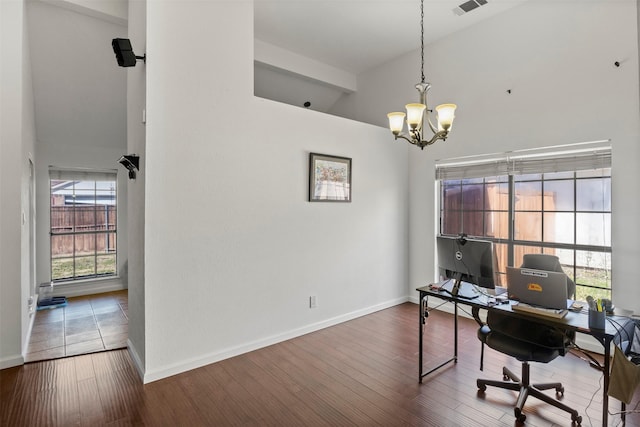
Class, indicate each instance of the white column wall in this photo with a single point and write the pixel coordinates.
(136, 90)
(16, 148)
(11, 24)
(233, 250)
(27, 232)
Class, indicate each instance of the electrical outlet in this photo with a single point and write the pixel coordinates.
(313, 301)
(31, 306)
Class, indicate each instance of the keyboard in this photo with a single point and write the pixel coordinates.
(556, 313)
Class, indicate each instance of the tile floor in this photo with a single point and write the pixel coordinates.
(86, 325)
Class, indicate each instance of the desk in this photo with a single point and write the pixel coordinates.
(573, 321)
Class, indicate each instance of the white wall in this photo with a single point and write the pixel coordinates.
(16, 146)
(136, 103)
(233, 250)
(558, 61)
(11, 24)
(27, 197)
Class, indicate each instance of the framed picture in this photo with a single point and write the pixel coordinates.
(329, 178)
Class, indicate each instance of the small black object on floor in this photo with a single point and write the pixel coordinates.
(51, 303)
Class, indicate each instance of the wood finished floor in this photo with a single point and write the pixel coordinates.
(86, 325)
(359, 373)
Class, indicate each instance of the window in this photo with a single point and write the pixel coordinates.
(556, 203)
(83, 225)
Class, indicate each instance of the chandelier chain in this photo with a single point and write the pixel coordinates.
(422, 40)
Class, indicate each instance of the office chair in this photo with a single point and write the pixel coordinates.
(527, 341)
(548, 263)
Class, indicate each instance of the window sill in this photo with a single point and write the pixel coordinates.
(85, 281)
(82, 287)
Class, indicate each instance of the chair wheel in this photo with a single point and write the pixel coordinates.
(576, 419)
(520, 417)
(505, 377)
(481, 386)
(560, 391)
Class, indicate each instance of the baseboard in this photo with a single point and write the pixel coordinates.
(208, 359)
(137, 361)
(77, 289)
(32, 318)
(10, 362)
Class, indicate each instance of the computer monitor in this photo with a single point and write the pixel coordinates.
(466, 260)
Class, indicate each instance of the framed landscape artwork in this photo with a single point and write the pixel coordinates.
(329, 178)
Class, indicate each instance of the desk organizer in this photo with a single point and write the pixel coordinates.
(596, 319)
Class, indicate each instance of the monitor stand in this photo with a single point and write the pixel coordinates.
(457, 288)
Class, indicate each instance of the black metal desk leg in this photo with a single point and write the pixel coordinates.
(455, 333)
(422, 320)
(421, 326)
(605, 388)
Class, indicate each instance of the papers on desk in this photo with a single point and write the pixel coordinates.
(539, 311)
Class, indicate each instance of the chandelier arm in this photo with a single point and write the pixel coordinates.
(415, 138)
(442, 135)
(407, 138)
(428, 117)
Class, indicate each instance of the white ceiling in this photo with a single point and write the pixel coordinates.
(357, 35)
(350, 35)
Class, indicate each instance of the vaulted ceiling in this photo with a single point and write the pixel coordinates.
(80, 93)
(357, 35)
(348, 36)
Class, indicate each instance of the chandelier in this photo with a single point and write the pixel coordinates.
(418, 113)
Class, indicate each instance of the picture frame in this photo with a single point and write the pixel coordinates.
(329, 178)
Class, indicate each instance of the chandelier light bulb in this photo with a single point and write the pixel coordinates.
(396, 122)
(414, 114)
(446, 114)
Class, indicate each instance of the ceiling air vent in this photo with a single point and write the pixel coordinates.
(468, 6)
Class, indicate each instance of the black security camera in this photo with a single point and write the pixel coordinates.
(124, 53)
(132, 163)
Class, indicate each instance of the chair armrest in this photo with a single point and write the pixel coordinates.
(475, 312)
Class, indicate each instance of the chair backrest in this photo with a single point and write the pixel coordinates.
(548, 263)
(528, 330)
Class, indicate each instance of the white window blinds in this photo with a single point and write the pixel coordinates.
(82, 175)
(574, 157)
